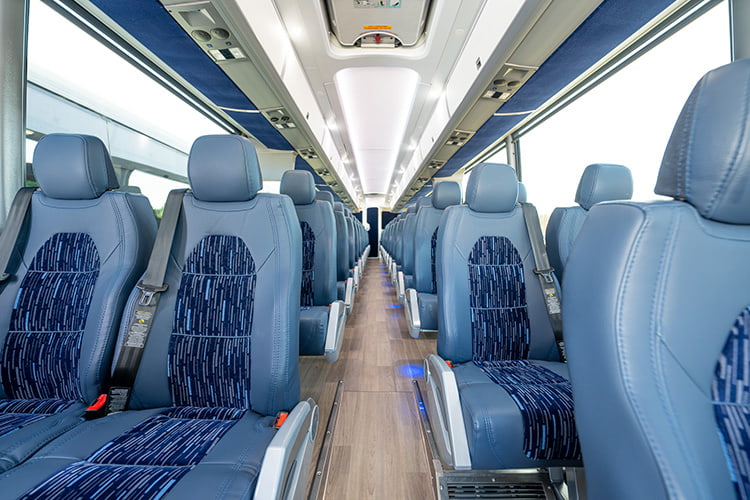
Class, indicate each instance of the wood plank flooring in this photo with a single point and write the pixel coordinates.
(377, 447)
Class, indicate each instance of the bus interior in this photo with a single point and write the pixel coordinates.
(349, 249)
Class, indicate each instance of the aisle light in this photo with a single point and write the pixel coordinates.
(376, 103)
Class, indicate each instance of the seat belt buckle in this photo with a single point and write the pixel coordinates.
(547, 274)
(4, 277)
(280, 419)
(97, 409)
(148, 292)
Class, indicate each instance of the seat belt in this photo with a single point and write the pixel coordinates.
(16, 215)
(141, 319)
(546, 275)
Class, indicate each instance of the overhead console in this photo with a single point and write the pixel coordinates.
(378, 23)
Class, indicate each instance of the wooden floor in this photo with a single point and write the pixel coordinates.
(377, 446)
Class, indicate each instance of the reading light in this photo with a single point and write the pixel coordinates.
(376, 102)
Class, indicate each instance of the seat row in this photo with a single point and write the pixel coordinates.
(654, 400)
(333, 256)
(211, 353)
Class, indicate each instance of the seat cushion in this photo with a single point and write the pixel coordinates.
(496, 432)
(313, 323)
(191, 453)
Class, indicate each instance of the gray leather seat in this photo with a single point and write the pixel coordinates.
(406, 275)
(600, 182)
(320, 308)
(515, 404)
(344, 282)
(220, 363)
(81, 250)
(656, 315)
(422, 301)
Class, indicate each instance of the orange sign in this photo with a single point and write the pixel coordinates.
(377, 27)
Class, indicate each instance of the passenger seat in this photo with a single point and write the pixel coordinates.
(656, 315)
(421, 300)
(220, 364)
(600, 182)
(322, 316)
(344, 282)
(506, 402)
(82, 248)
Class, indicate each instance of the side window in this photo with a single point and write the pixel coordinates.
(76, 84)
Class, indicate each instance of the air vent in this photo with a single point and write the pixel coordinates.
(423, 179)
(507, 81)
(323, 172)
(435, 164)
(203, 23)
(279, 118)
(459, 138)
(496, 490)
(308, 153)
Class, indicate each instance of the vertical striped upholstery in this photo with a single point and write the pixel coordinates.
(146, 461)
(209, 352)
(546, 401)
(308, 265)
(40, 359)
(500, 339)
(730, 391)
(209, 376)
(499, 317)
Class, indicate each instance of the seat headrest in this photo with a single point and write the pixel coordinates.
(73, 167)
(522, 197)
(224, 168)
(411, 209)
(326, 196)
(707, 160)
(424, 202)
(493, 187)
(445, 194)
(299, 185)
(604, 182)
(339, 207)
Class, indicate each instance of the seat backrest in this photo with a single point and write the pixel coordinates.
(445, 194)
(656, 315)
(342, 242)
(226, 332)
(80, 252)
(326, 196)
(408, 236)
(599, 182)
(490, 305)
(318, 238)
(352, 239)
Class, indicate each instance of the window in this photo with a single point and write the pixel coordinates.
(88, 88)
(627, 119)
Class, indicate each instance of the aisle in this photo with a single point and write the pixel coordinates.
(377, 446)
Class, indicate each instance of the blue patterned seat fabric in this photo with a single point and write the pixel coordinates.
(54, 360)
(221, 360)
(494, 327)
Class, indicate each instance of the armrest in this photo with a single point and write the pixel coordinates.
(444, 411)
(400, 286)
(412, 309)
(286, 463)
(335, 331)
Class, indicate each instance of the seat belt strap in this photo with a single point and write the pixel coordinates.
(546, 275)
(17, 214)
(142, 315)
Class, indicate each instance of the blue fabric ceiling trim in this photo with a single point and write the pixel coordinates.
(150, 23)
(301, 164)
(607, 27)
